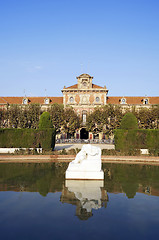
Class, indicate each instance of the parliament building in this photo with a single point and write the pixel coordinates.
(83, 96)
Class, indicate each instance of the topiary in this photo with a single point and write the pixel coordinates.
(129, 121)
(45, 121)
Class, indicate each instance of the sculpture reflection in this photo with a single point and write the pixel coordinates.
(86, 195)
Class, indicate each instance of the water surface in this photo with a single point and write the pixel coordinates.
(37, 203)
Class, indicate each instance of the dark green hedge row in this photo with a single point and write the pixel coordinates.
(27, 138)
(126, 140)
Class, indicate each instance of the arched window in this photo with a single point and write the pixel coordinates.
(84, 84)
(84, 116)
(71, 99)
(25, 101)
(146, 101)
(123, 101)
(97, 99)
(46, 101)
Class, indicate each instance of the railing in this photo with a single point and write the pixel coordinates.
(78, 141)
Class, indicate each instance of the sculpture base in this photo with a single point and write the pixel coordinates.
(85, 175)
(83, 184)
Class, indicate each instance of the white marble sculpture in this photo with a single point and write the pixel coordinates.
(87, 164)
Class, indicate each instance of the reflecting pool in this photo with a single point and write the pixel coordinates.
(36, 202)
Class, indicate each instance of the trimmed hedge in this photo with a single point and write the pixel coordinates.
(27, 138)
(45, 121)
(129, 121)
(130, 140)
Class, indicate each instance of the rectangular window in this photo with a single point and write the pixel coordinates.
(84, 118)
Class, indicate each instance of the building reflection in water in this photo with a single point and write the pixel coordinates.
(86, 195)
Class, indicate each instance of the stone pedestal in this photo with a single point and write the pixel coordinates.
(85, 175)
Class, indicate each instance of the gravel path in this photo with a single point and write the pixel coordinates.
(69, 146)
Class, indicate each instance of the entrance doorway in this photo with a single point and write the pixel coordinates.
(83, 134)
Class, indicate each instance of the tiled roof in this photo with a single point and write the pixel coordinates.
(75, 86)
(2, 101)
(59, 100)
(40, 100)
(72, 87)
(132, 100)
(96, 86)
(11, 100)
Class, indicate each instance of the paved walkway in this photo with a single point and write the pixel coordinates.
(69, 146)
(68, 158)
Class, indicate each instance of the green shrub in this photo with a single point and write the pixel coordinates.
(129, 141)
(47, 138)
(109, 152)
(71, 151)
(129, 121)
(63, 152)
(45, 121)
(27, 138)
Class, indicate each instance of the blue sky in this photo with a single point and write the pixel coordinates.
(45, 44)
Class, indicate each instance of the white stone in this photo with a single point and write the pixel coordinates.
(144, 151)
(85, 175)
(87, 164)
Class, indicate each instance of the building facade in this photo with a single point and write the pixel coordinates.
(83, 96)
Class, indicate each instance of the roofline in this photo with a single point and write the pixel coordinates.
(84, 74)
(134, 96)
(84, 89)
